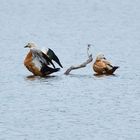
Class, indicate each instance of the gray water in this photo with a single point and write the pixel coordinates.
(79, 106)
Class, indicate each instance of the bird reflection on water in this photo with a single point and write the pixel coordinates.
(33, 77)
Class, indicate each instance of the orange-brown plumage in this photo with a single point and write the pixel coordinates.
(28, 62)
(38, 63)
(103, 66)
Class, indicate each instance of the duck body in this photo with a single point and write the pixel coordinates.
(39, 63)
(28, 62)
(102, 66)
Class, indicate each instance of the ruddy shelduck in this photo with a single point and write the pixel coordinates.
(39, 62)
(103, 66)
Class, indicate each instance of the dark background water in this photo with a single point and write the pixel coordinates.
(80, 106)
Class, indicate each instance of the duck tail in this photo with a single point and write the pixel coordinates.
(113, 70)
(115, 67)
(56, 69)
(45, 70)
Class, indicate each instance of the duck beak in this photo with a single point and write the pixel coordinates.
(53, 57)
(26, 46)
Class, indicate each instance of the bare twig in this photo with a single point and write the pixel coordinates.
(89, 60)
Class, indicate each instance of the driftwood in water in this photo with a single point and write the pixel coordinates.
(89, 60)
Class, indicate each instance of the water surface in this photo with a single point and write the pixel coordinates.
(79, 106)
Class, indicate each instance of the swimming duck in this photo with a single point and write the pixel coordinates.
(103, 66)
(40, 63)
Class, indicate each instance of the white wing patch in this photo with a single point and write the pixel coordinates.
(37, 58)
(44, 50)
(37, 63)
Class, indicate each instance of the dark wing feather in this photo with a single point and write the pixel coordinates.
(45, 70)
(43, 58)
(47, 59)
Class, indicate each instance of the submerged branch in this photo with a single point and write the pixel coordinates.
(89, 60)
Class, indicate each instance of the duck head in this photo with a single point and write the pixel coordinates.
(30, 45)
(100, 56)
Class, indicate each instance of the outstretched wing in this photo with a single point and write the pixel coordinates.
(49, 61)
(41, 57)
(50, 53)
